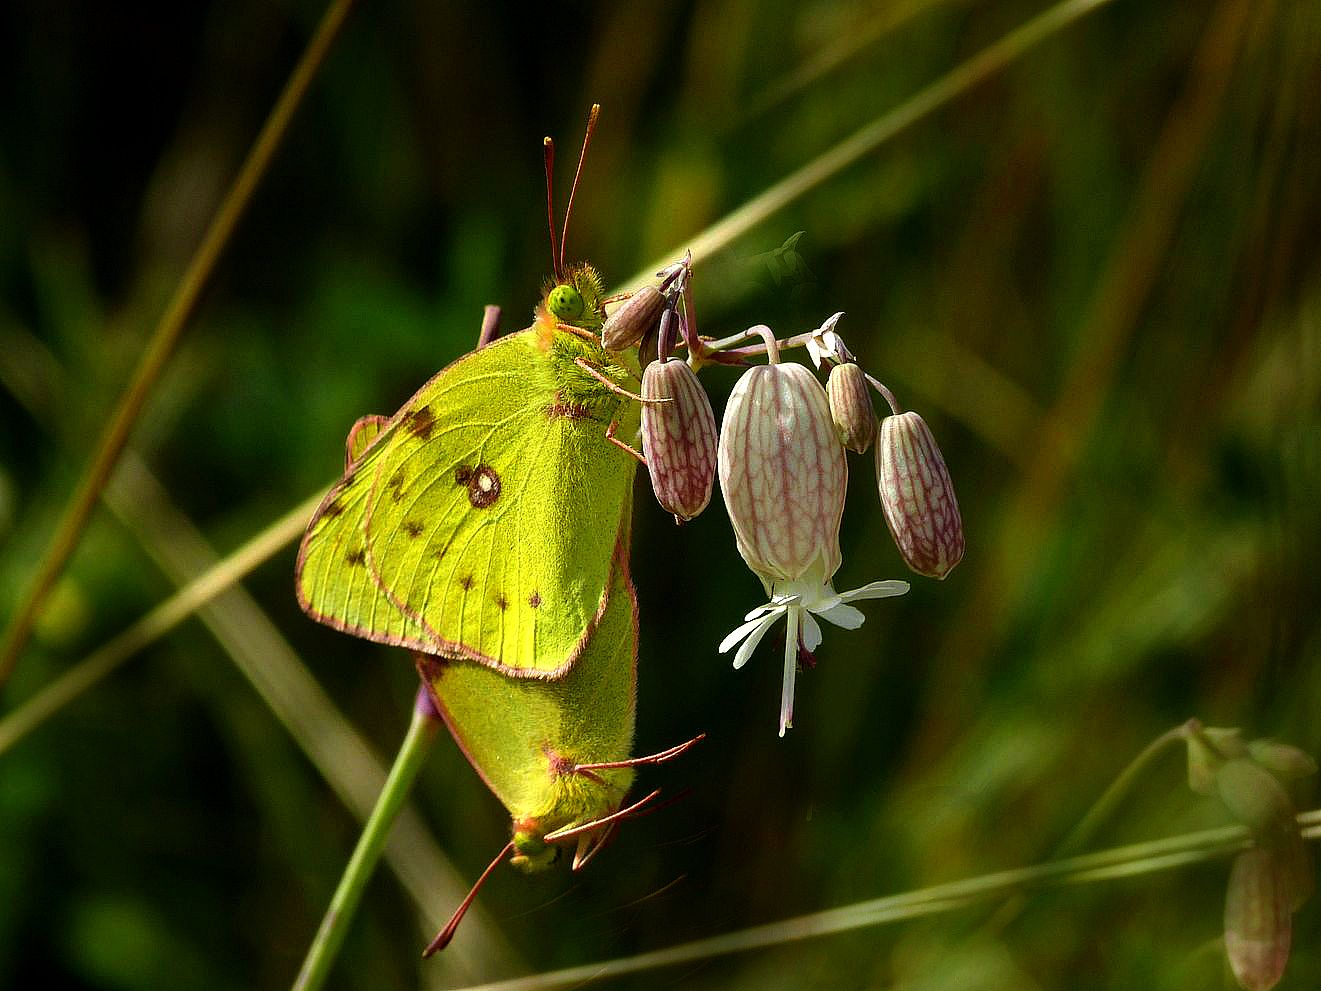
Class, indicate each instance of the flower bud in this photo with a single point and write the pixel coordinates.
(1258, 926)
(632, 319)
(1255, 798)
(917, 496)
(1281, 759)
(782, 473)
(851, 408)
(1208, 749)
(678, 438)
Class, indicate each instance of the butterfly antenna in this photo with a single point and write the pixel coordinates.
(582, 157)
(556, 255)
(443, 937)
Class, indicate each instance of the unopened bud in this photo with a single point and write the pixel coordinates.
(1255, 798)
(678, 438)
(1208, 749)
(782, 473)
(1258, 924)
(1281, 759)
(917, 496)
(630, 322)
(851, 408)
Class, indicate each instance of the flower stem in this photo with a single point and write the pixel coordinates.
(1104, 806)
(1129, 861)
(344, 903)
(886, 394)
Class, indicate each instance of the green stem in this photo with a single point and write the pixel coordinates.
(1128, 861)
(1104, 806)
(330, 936)
(981, 66)
(167, 334)
(169, 614)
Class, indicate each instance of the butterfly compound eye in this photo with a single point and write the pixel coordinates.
(565, 302)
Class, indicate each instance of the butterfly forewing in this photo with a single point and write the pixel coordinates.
(480, 523)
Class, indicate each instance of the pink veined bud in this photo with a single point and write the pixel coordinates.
(782, 472)
(629, 324)
(917, 496)
(678, 438)
(1258, 922)
(850, 407)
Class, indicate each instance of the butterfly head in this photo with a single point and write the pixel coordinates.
(531, 851)
(576, 298)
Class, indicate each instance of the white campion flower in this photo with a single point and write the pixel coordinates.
(783, 475)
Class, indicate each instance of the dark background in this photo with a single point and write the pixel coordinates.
(1096, 275)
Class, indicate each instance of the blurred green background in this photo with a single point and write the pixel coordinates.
(1096, 275)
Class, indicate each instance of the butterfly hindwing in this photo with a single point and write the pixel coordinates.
(516, 732)
(479, 522)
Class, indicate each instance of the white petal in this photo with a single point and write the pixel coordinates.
(750, 644)
(811, 632)
(815, 351)
(876, 590)
(790, 671)
(843, 616)
(737, 635)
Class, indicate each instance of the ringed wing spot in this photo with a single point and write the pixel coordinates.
(483, 487)
(534, 600)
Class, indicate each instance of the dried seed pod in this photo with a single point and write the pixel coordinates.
(782, 472)
(917, 496)
(633, 319)
(678, 438)
(1258, 922)
(850, 407)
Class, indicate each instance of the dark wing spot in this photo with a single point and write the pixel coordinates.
(396, 484)
(413, 528)
(534, 600)
(501, 602)
(483, 487)
(356, 558)
(466, 583)
(462, 475)
(420, 422)
(332, 509)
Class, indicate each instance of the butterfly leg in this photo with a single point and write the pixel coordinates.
(589, 846)
(613, 386)
(586, 335)
(627, 812)
(610, 436)
(657, 758)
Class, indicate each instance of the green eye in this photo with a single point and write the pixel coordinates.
(565, 302)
